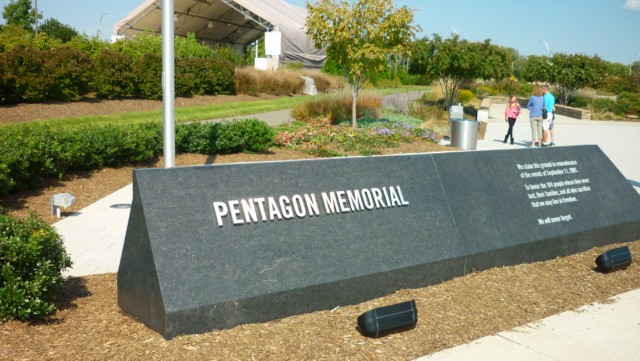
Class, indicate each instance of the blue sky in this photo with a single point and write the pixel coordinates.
(608, 28)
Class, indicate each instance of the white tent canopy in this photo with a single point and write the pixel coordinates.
(234, 22)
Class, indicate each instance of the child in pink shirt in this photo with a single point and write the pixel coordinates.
(511, 112)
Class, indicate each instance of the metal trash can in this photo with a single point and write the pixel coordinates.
(464, 133)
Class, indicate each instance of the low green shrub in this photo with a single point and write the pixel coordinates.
(32, 258)
(30, 154)
(250, 135)
(196, 137)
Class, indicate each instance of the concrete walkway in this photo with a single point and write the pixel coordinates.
(94, 237)
(596, 332)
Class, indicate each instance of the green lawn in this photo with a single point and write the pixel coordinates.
(204, 112)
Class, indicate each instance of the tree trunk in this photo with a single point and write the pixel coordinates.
(354, 106)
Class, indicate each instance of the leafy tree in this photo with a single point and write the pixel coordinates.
(456, 63)
(574, 71)
(536, 69)
(20, 12)
(359, 36)
(58, 30)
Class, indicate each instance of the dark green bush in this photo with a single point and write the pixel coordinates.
(113, 76)
(32, 257)
(579, 102)
(27, 154)
(147, 74)
(250, 135)
(69, 71)
(196, 138)
(603, 105)
(198, 76)
(23, 80)
(217, 77)
(629, 103)
(32, 75)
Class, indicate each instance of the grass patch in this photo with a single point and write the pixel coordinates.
(191, 114)
(187, 114)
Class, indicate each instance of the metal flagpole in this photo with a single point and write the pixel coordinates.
(168, 84)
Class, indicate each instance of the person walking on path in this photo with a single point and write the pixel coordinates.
(535, 116)
(511, 112)
(547, 123)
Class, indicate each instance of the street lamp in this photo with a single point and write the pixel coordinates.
(453, 30)
(35, 14)
(546, 45)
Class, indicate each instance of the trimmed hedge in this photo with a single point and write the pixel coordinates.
(66, 74)
(250, 135)
(32, 258)
(113, 77)
(32, 75)
(198, 76)
(29, 154)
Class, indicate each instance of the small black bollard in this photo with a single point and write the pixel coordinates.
(387, 319)
(614, 259)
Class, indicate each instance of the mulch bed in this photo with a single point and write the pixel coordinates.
(89, 324)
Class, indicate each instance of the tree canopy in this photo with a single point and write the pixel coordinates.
(58, 30)
(455, 63)
(570, 72)
(359, 36)
(20, 12)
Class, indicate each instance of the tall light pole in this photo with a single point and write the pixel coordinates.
(546, 45)
(35, 16)
(100, 25)
(453, 30)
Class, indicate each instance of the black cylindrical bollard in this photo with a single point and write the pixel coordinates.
(614, 259)
(383, 320)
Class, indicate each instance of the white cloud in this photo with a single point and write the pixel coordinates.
(633, 5)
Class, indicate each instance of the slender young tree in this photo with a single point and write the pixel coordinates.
(359, 35)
